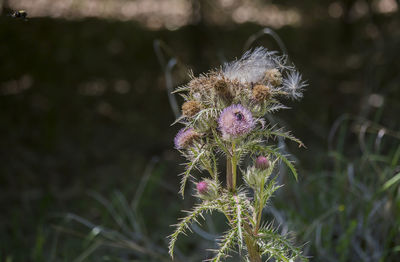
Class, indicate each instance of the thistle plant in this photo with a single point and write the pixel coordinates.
(223, 117)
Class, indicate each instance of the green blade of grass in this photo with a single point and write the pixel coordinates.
(391, 181)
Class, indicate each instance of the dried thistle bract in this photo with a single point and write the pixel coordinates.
(190, 108)
(274, 77)
(261, 93)
(222, 89)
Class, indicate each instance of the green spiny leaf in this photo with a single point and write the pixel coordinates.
(187, 173)
(270, 189)
(285, 134)
(225, 245)
(278, 246)
(185, 222)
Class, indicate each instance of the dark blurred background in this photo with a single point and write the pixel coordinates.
(88, 171)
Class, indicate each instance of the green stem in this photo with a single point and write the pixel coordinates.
(260, 207)
(229, 182)
(258, 218)
(234, 167)
(250, 240)
(252, 248)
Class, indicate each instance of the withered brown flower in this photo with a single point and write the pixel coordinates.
(261, 93)
(190, 108)
(274, 77)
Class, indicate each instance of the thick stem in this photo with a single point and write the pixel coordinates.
(252, 249)
(229, 182)
(260, 207)
(251, 240)
(258, 218)
(231, 168)
(233, 177)
(234, 168)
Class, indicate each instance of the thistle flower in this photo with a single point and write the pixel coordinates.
(185, 138)
(261, 93)
(274, 77)
(235, 121)
(202, 187)
(229, 97)
(262, 163)
(190, 108)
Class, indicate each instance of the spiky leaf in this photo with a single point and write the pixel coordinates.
(225, 245)
(185, 222)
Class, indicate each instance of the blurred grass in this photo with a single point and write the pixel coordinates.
(350, 214)
(83, 108)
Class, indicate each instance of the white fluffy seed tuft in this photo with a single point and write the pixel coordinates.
(251, 67)
(294, 85)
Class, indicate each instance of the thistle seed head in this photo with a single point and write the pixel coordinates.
(235, 121)
(185, 138)
(261, 93)
(274, 77)
(251, 67)
(190, 108)
(294, 85)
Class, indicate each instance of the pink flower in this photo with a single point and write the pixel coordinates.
(202, 187)
(262, 162)
(235, 121)
(185, 138)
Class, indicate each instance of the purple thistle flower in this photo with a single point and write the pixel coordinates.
(185, 138)
(262, 162)
(235, 121)
(202, 187)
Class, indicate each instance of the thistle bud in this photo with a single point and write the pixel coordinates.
(207, 189)
(261, 93)
(190, 108)
(274, 77)
(202, 187)
(262, 163)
